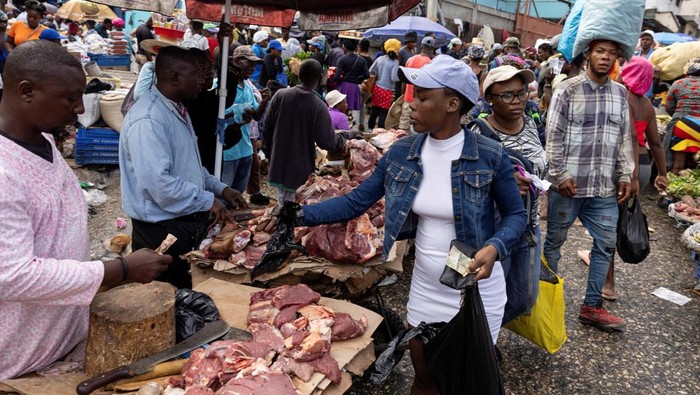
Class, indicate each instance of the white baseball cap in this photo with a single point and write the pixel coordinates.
(444, 72)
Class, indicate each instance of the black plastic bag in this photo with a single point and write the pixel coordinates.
(632, 233)
(461, 356)
(460, 353)
(386, 361)
(192, 310)
(281, 244)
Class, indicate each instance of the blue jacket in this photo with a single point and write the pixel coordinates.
(482, 176)
(162, 174)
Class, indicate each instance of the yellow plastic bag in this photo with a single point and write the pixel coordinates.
(545, 325)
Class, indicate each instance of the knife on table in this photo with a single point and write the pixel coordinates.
(211, 331)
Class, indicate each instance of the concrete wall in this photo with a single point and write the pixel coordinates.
(477, 14)
(663, 6)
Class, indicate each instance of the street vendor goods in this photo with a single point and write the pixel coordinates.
(687, 182)
(292, 336)
(356, 241)
(384, 138)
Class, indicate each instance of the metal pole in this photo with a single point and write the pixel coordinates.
(222, 90)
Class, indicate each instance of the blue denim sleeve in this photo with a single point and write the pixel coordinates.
(510, 205)
(352, 205)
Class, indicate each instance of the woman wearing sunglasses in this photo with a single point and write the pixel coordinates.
(505, 90)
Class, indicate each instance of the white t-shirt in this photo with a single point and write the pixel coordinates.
(429, 300)
(196, 41)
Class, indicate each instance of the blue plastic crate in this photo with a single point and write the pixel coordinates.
(110, 60)
(99, 136)
(97, 146)
(95, 160)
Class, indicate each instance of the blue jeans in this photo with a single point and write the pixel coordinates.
(599, 217)
(237, 172)
(522, 273)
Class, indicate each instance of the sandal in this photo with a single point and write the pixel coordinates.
(584, 256)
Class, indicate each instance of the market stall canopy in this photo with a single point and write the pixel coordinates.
(80, 10)
(398, 29)
(314, 14)
(672, 38)
(164, 7)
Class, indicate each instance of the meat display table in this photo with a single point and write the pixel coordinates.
(323, 276)
(354, 355)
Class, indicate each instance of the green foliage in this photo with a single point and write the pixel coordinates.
(687, 182)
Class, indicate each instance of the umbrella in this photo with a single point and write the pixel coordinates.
(399, 28)
(80, 10)
(672, 38)
(164, 7)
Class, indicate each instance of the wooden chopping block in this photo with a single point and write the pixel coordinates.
(128, 323)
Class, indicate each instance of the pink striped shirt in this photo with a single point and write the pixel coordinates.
(46, 279)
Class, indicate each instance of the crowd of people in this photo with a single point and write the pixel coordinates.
(484, 123)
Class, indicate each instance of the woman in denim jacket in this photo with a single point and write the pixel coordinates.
(440, 185)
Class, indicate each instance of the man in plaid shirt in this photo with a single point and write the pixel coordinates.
(591, 166)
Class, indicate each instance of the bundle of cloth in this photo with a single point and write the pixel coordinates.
(615, 20)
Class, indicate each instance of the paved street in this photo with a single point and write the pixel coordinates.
(659, 353)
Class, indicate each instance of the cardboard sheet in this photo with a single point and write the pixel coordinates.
(233, 302)
(324, 276)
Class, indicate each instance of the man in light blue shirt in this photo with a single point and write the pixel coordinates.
(239, 158)
(164, 187)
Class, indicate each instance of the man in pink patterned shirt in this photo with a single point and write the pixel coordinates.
(47, 279)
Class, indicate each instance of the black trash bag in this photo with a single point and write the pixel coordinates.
(386, 361)
(461, 357)
(281, 244)
(192, 310)
(632, 233)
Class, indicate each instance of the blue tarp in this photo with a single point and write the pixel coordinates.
(672, 38)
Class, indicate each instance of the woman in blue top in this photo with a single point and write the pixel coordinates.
(441, 184)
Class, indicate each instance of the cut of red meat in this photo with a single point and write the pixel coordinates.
(199, 390)
(268, 335)
(238, 258)
(265, 294)
(258, 349)
(295, 339)
(345, 327)
(253, 255)
(302, 370)
(353, 243)
(327, 366)
(235, 389)
(202, 371)
(241, 240)
(288, 314)
(262, 312)
(299, 294)
(261, 238)
(363, 159)
(378, 221)
(266, 383)
(177, 382)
